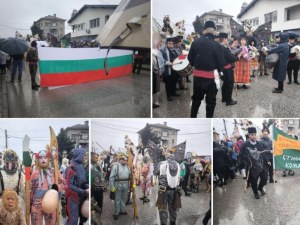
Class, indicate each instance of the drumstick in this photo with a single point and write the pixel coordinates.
(177, 63)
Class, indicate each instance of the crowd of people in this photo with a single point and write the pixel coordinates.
(44, 204)
(216, 56)
(251, 158)
(116, 174)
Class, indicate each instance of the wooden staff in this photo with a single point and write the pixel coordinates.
(54, 146)
(27, 163)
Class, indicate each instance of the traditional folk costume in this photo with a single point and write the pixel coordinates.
(76, 187)
(168, 173)
(11, 213)
(119, 183)
(11, 176)
(293, 63)
(42, 180)
(242, 68)
(206, 56)
(147, 174)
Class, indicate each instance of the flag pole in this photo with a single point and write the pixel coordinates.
(274, 174)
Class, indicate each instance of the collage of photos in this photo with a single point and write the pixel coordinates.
(149, 112)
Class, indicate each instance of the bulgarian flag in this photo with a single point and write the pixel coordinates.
(286, 150)
(65, 66)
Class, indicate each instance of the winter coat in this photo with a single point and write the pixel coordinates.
(266, 144)
(279, 72)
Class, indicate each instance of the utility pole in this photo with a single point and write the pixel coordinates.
(225, 128)
(5, 138)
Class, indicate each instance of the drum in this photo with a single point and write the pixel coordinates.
(182, 65)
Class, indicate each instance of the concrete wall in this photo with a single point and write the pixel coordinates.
(60, 27)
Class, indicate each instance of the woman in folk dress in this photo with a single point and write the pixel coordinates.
(242, 67)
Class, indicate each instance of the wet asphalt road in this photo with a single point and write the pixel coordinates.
(257, 101)
(192, 211)
(123, 97)
(280, 206)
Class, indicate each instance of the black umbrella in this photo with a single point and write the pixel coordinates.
(14, 46)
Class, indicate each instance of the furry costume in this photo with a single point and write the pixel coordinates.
(41, 181)
(12, 176)
(11, 214)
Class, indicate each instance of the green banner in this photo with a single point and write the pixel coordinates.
(286, 150)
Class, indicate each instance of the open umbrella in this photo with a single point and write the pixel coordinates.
(14, 46)
(3, 54)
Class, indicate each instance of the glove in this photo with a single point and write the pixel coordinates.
(134, 186)
(217, 79)
(113, 189)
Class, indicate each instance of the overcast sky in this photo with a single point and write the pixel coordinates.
(218, 124)
(36, 129)
(19, 14)
(189, 9)
(108, 132)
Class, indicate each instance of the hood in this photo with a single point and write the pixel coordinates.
(78, 155)
(284, 37)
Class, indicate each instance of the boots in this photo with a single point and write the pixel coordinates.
(34, 86)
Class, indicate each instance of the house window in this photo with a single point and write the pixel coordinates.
(291, 121)
(173, 141)
(54, 24)
(95, 23)
(288, 15)
(106, 18)
(271, 17)
(255, 21)
(220, 20)
(73, 136)
(80, 26)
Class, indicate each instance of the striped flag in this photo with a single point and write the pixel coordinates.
(65, 66)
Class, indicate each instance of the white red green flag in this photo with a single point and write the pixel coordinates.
(65, 66)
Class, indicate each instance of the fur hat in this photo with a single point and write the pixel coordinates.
(209, 24)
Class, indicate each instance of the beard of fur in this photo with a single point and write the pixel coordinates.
(10, 216)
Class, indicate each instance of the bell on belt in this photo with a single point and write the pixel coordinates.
(85, 208)
(50, 201)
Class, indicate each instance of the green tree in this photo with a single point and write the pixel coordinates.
(148, 134)
(64, 143)
(198, 25)
(35, 29)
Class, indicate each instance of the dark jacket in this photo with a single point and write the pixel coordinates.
(206, 54)
(169, 55)
(257, 165)
(220, 158)
(18, 57)
(266, 144)
(228, 57)
(279, 72)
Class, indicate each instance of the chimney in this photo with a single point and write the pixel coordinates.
(165, 123)
(220, 10)
(54, 15)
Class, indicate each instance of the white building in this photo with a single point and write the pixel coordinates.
(89, 20)
(167, 134)
(285, 15)
(79, 134)
(221, 20)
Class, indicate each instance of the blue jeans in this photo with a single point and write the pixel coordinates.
(19, 64)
